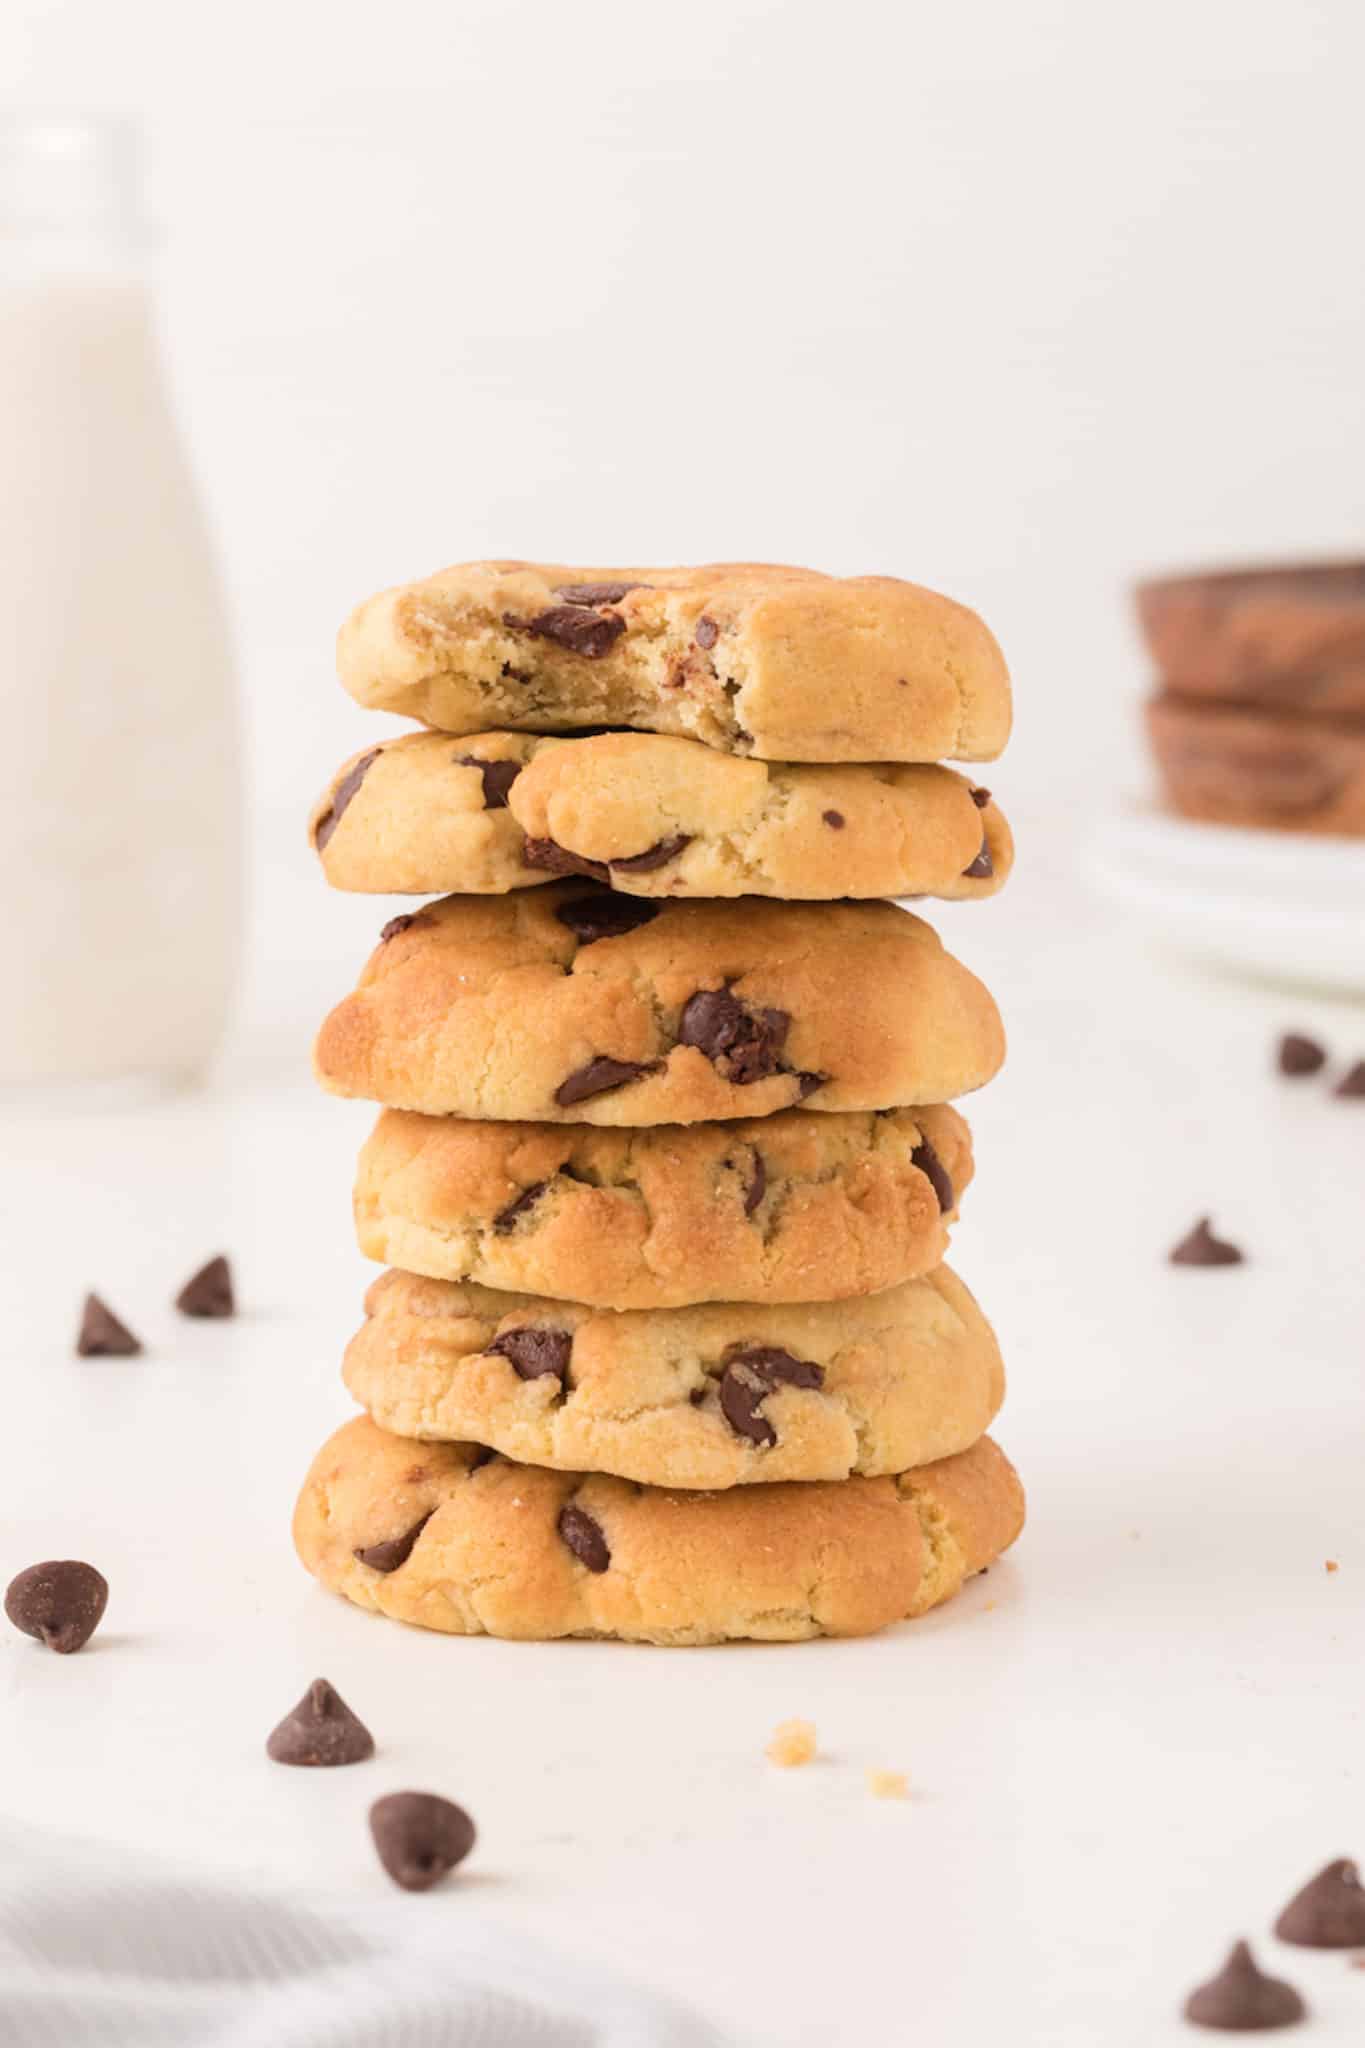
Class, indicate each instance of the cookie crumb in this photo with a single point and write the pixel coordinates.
(888, 1784)
(792, 1743)
(1330, 1564)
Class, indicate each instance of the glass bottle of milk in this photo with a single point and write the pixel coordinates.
(120, 807)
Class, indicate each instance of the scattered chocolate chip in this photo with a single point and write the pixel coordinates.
(534, 1352)
(102, 1335)
(1351, 1086)
(834, 819)
(418, 1837)
(553, 859)
(758, 1184)
(341, 796)
(981, 797)
(387, 1556)
(396, 925)
(983, 866)
(1298, 1055)
(707, 633)
(656, 856)
(929, 1164)
(1329, 1912)
(743, 1044)
(584, 1538)
(599, 1076)
(596, 593)
(591, 634)
(1202, 1248)
(498, 777)
(320, 1730)
(208, 1292)
(590, 918)
(506, 1219)
(1242, 2000)
(808, 1083)
(749, 1377)
(61, 1603)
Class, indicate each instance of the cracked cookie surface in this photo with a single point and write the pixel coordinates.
(783, 1208)
(576, 1004)
(712, 1397)
(477, 1545)
(656, 816)
(780, 663)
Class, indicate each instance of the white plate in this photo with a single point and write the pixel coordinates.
(1281, 906)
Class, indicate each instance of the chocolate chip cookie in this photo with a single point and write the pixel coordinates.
(695, 1397)
(782, 664)
(781, 1208)
(451, 1538)
(654, 817)
(577, 1004)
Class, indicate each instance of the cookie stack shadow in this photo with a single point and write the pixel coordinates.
(666, 1161)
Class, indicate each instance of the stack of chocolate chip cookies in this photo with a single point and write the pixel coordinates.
(667, 1162)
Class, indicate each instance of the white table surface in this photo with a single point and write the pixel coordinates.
(1127, 1745)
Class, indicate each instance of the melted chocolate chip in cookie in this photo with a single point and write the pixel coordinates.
(575, 627)
(656, 856)
(341, 796)
(498, 777)
(507, 1219)
(534, 1352)
(707, 633)
(553, 859)
(396, 926)
(981, 797)
(321, 1731)
(584, 1538)
(834, 819)
(60, 1603)
(929, 1164)
(983, 867)
(742, 1044)
(591, 918)
(597, 593)
(599, 1076)
(387, 1556)
(750, 1375)
(758, 1184)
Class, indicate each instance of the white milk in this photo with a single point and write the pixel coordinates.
(119, 779)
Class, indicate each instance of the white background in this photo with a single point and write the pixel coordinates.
(1017, 299)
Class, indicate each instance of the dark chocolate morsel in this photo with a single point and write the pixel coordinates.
(758, 1184)
(102, 1335)
(1242, 2000)
(321, 1730)
(929, 1164)
(707, 633)
(506, 1219)
(397, 925)
(983, 866)
(599, 1076)
(834, 819)
(60, 1603)
(589, 633)
(208, 1292)
(418, 1837)
(743, 1044)
(1351, 1086)
(341, 796)
(1202, 1248)
(808, 1083)
(498, 777)
(1329, 1912)
(751, 1374)
(657, 856)
(596, 593)
(387, 1556)
(584, 1538)
(553, 859)
(590, 918)
(1297, 1055)
(533, 1352)
(981, 797)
